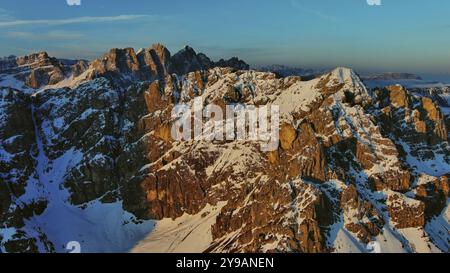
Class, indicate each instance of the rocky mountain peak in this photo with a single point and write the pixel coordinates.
(187, 60)
(117, 60)
(161, 52)
(234, 62)
(156, 59)
(355, 90)
(344, 74)
(127, 64)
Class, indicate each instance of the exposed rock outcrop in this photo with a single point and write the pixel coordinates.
(360, 217)
(405, 212)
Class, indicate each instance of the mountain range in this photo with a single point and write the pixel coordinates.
(86, 156)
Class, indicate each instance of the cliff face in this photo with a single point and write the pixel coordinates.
(146, 64)
(353, 165)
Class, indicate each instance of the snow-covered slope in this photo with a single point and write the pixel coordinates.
(186, 234)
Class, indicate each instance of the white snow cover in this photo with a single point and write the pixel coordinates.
(439, 229)
(10, 81)
(437, 166)
(186, 234)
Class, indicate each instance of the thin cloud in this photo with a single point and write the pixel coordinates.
(77, 20)
(52, 35)
(4, 15)
(314, 12)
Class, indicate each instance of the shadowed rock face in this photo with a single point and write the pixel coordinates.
(349, 160)
(233, 62)
(187, 60)
(18, 173)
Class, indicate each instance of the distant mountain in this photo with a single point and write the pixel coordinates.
(39, 69)
(392, 76)
(405, 79)
(233, 62)
(286, 71)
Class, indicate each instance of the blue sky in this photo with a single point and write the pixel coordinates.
(399, 35)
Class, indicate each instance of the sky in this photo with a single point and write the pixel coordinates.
(397, 36)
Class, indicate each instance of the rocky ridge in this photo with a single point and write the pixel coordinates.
(122, 66)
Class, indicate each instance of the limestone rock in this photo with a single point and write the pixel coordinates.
(405, 212)
(287, 136)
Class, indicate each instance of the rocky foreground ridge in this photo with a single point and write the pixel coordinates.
(86, 155)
